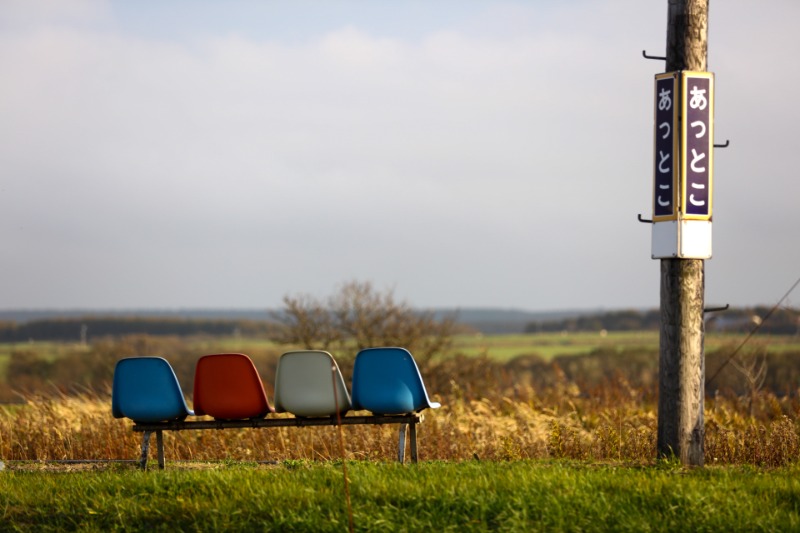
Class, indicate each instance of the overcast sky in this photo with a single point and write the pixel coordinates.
(198, 154)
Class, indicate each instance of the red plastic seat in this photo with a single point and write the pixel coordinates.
(227, 386)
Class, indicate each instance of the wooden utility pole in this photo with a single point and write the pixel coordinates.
(682, 360)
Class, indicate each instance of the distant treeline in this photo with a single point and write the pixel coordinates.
(783, 321)
(82, 329)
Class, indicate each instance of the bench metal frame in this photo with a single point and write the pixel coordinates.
(407, 422)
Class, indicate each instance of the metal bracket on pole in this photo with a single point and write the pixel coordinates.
(716, 309)
(644, 220)
(646, 56)
(727, 143)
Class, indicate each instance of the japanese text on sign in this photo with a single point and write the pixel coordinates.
(697, 144)
(666, 153)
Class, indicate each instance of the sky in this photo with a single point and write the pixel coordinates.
(189, 154)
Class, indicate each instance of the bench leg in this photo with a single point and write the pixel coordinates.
(401, 449)
(412, 436)
(160, 444)
(145, 450)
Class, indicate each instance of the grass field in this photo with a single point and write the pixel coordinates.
(504, 452)
(498, 347)
(47, 350)
(439, 496)
(549, 345)
(501, 347)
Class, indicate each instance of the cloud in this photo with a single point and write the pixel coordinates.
(500, 156)
(26, 14)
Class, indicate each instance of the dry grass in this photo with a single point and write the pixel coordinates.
(508, 419)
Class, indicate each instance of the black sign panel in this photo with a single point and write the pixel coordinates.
(697, 146)
(665, 168)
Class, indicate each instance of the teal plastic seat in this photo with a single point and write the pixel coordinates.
(387, 381)
(146, 389)
(308, 383)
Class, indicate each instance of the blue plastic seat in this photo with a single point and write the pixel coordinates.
(387, 381)
(146, 390)
(305, 381)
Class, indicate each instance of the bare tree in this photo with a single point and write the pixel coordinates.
(753, 367)
(307, 323)
(358, 316)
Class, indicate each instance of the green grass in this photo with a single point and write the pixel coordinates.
(49, 350)
(474, 496)
(503, 347)
(239, 344)
(549, 345)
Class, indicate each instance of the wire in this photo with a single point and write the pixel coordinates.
(341, 448)
(753, 332)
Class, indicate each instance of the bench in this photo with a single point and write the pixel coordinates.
(308, 386)
(406, 421)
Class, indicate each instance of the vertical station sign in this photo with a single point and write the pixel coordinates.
(683, 141)
(666, 166)
(697, 144)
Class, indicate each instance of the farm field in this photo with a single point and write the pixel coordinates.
(434, 496)
(550, 345)
(546, 432)
(500, 347)
(547, 345)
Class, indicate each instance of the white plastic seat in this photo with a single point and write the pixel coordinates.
(305, 381)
